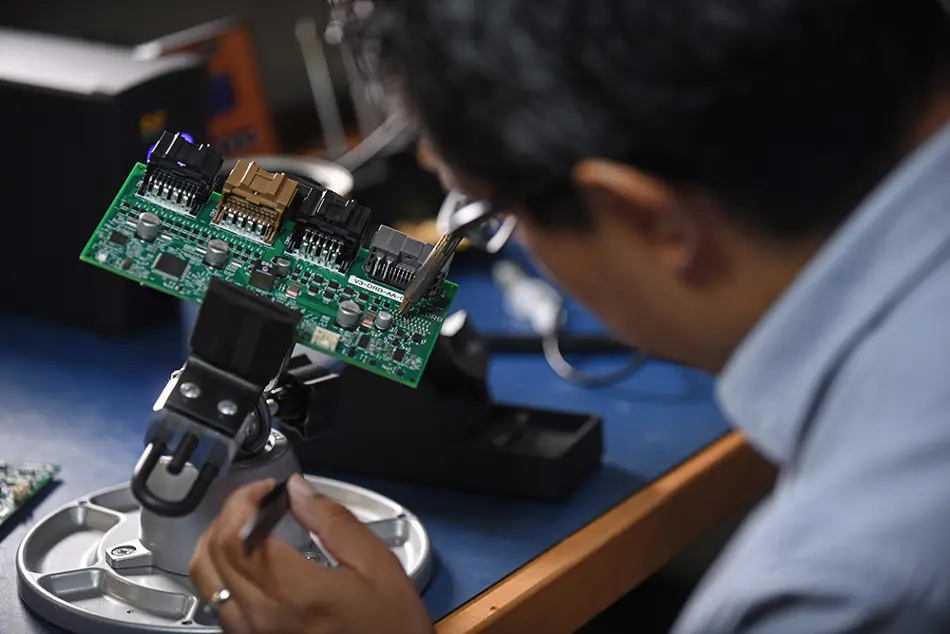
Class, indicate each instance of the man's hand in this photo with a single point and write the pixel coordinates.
(276, 590)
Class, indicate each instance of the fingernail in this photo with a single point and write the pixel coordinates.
(299, 488)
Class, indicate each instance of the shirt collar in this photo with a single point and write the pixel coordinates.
(774, 377)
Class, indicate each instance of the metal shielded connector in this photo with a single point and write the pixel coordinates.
(394, 258)
(254, 200)
(180, 174)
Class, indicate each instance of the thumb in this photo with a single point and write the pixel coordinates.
(343, 535)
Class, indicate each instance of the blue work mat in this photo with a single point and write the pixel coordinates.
(81, 401)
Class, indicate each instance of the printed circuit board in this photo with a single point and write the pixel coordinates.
(290, 241)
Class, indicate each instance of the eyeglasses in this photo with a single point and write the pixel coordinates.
(486, 225)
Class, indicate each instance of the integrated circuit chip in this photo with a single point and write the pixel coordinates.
(119, 238)
(170, 266)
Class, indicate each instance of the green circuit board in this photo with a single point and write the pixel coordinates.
(20, 483)
(174, 263)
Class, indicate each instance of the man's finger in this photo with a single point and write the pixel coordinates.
(207, 581)
(239, 509)
(348, 540)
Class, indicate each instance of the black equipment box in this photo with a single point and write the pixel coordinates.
(75, 115)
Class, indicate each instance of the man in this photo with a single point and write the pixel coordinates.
(759, 188)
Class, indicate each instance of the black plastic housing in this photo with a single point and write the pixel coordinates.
(320, 210)
(446, 432)
(190, 167)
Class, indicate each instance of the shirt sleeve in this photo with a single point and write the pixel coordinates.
(814, 596)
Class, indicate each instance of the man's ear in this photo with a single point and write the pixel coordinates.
(645, 210)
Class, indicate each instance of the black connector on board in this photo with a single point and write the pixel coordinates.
(180, 174)
(329, 228)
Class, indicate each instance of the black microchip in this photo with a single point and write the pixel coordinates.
(170, 265)
(375, 300)
(351, 352)
(334, 285)
(118, 238)
(364, 297)
(397, 342)
(317, 279)
(314, 290)
(126, 264)
(262, 280)
(363, 342)
(399, 355)
(348, 291)
(372, 361)
(416, 338)
(328, 296)
(400, 332)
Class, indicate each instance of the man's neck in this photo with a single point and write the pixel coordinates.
(765, 267)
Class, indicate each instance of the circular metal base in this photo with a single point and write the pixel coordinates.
(84, 569)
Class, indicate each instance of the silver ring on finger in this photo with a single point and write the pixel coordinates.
(219, 598)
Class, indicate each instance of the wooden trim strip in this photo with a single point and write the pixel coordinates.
(579, 578)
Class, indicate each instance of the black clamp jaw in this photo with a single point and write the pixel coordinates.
(212, 409)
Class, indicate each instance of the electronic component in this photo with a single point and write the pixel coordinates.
(282, 267)
(384, 320)
(170, 266)
(399, 355)
(180, 174)
(348, 313)
(262, 279)
(394, 258)
(325, 338)
(148, 226)
(216, 253)
(119, 238)
(329, 229)
(363, 341)
(20, 482)
(176, 262)
(253, 201)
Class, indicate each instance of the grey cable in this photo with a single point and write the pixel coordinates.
(550, 344)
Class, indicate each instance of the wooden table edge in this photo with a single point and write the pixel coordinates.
(568, 585)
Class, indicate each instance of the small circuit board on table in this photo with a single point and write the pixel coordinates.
(20, 483)
(296, 243)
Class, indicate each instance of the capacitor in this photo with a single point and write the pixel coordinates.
(384, 320)
(217, 253)
(348, 313)
(148, 226)
(282, 266)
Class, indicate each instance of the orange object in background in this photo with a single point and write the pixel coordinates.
(241, 121)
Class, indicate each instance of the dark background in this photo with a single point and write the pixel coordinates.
(271, 23)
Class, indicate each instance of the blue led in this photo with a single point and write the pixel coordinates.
(184, 135)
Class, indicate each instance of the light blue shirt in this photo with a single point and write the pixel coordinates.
(845, 383)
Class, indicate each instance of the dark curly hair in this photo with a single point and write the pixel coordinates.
(786, 111)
